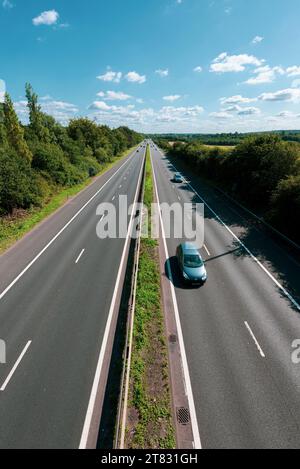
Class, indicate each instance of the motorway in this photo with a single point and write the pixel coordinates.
(58, 289)
(238, 329)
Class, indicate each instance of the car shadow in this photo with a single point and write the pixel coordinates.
(172, 272)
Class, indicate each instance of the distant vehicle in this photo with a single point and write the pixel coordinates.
(191, 264)
(178, 178)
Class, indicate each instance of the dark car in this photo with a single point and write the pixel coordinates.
(191, 264)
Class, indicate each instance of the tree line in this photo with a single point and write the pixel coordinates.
(227, 139)
(262, 171)
(40, 158)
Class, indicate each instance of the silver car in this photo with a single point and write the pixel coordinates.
(191, 264)
(178, 178)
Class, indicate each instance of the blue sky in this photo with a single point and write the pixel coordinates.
(157, 65)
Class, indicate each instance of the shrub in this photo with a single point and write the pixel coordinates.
(19, 186)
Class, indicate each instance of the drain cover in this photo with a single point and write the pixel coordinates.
(173, 338)
(183, 415)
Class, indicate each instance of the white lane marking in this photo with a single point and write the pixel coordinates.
(205, 247)
(61, 231)
(278, 284)
(4, 385)
(189, 391)
(113, 198)
(179, 198)
(93, 396)
(255, 339)
(80, 255)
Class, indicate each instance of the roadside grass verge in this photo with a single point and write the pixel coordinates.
(13, 228)
(149, 417)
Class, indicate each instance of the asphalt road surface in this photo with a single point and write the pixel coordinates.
(54, 315)
(239, 328)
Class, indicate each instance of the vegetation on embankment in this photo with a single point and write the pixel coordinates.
(15, 225)
(43, 163)
(149, 418)
(263, 172)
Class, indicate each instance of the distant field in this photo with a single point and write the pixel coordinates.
(222, 147)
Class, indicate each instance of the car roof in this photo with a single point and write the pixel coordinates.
(189, 247)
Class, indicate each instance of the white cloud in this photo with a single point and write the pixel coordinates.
(198, 69)
(2, 90)
(222, 115)
(233, 108)
(162, 73)
(134, 77)
(7, 4)
(249, 111)
(47, 17)
(289, 94)
(238, 99)
(225, 63)
(241, 111)
(100, 105)
(61, 111)
(293, 71)
(287, 114)
(111, 76)
(172, 98)
(147, 118)
(265, 74)
(296, 83)
(257, 39)
(114, 95)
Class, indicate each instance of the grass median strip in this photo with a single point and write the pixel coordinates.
(12, 228)
(149, 417)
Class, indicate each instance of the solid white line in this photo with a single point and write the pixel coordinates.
(60, 232)
(188, 385)
(93, 396)
(78, 258)
(3, 387)
(113, 197)
(205, 247)
(255, 339)
(278, 284)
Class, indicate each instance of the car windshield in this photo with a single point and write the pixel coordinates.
(193, 261)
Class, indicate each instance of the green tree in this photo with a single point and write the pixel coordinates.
(259, 164)
(14, 131)
(19, 187)
(286, 207)
(36, 117)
